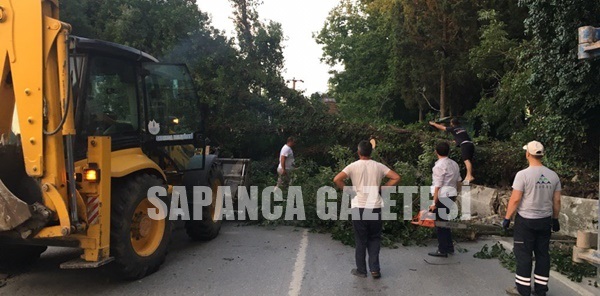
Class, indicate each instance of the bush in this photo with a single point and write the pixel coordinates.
(497, 163)
(410, 152)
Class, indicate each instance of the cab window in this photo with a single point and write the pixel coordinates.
(111, 105)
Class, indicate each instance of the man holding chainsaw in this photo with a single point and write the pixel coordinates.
(446, 181)
(536, 200)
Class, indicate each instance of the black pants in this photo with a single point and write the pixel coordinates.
(467, 150)
(367, 236)
(532, 236)
(444, 235)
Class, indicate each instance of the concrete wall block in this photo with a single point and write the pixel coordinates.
(502, 203)
(578, 214)
(483, 200)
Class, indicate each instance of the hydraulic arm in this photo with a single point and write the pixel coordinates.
(35, 87)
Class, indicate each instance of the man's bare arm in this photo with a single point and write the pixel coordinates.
(282, 161)
(438, 126)
(556, 205)
(513, 203)
(339, 180)
(393, 177)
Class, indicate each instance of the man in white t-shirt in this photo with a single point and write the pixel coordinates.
(286, 163)
(366, 176)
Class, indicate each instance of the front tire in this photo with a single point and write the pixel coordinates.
(138, 243)
(208, 228)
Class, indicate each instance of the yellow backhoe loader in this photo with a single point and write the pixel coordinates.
(86, 128)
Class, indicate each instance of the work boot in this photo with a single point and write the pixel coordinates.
(513, 291)
(358, 273)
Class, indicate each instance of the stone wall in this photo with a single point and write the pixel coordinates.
(576, 213)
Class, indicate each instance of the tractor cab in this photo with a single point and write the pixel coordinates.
(126, 94)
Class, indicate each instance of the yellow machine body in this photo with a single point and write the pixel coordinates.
(34, 89)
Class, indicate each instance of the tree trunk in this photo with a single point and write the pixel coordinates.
(443, 92)
(443, 68)
(420, 113)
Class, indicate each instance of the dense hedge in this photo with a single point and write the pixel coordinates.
(410, 152)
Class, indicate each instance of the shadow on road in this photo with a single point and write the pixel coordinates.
(103, 277)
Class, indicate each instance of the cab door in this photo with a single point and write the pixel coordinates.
(109, 103)
(173, 124)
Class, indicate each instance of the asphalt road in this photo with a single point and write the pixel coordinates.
(251, 260)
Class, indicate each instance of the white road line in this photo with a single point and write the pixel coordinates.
(298, 274)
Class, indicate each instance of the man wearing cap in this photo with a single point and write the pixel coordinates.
(462, 140)
(536, 200)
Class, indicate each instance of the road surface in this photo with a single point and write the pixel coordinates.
(252, 260)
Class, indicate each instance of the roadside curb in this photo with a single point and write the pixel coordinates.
(508, 245)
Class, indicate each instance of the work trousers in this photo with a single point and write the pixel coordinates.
(532, 236)
(284, 181)
(444, 235)
(367, 236)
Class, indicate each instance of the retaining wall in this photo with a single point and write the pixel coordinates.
(575, 214)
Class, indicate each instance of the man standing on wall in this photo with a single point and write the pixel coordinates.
(366, 175)
(286, 163)
(462, 140)
(536, 200)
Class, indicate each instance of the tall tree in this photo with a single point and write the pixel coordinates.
(496, 62)
(154, 26)
(564, 106)
(260, 47)
(444, 29)
(356, 40)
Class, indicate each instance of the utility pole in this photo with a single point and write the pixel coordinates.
(294, 80)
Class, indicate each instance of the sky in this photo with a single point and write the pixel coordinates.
(299, 19)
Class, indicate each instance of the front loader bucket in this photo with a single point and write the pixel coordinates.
(17, 190)
(13, 211)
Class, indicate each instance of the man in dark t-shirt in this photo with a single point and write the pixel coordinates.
(462, 139)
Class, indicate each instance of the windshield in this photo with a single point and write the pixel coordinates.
(173, 106)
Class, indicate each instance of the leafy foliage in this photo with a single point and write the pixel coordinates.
(154, 26)
(507, 260)
(312, 177)
(560, 260)
(561, 257)
(510, 66)
(356, 38)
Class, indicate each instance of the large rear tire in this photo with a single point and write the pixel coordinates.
(138, 243)
(208, 228)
